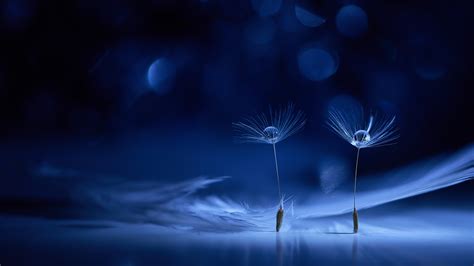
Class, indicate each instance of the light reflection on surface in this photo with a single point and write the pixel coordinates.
(431, 236)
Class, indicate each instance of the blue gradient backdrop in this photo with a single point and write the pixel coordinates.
(111, 111)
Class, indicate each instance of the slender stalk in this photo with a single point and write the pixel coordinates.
(277, 173)
(355, 216)
(355, 176)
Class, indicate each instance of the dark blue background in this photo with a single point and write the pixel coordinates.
(75, 72)
(75, 91)
(79, 68)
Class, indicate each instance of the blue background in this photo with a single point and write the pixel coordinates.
(97, 92)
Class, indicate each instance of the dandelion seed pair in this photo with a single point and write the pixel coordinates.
(284, 122)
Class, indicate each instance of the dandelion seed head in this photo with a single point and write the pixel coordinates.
(350, 125)
(270, 128)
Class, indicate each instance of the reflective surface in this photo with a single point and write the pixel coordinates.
(426, 237)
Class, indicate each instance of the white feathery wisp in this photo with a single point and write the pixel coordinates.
(378, 131)
(272, 128)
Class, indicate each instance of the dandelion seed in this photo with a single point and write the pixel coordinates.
(271, 129)
(349, 125)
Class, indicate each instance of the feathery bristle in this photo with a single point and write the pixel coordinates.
(379, 131)
(272, 128)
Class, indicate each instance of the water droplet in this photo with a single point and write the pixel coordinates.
(361, 137)
(271, 134)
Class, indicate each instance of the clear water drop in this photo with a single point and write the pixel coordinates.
(271, 134)
(361, 137)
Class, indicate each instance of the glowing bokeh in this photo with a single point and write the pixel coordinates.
(317, 64)
(308, 18)
(351, 21)
(266, 7)
(161, 75)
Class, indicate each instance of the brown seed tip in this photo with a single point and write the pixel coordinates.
(279, 219)
(355, 218)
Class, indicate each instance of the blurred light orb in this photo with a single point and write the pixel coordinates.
(308, 18)
(351, 21)
(266, 7)
(317, 64)
(271, 133)
(161, 74)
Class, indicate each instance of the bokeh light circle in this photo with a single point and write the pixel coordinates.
(161, 74)
(307, 18)
(351, 21)
(317, 64)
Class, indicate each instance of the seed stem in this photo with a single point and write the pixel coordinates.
(355, 176)
(277, 173)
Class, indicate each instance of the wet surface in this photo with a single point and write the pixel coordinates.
(416, 236)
